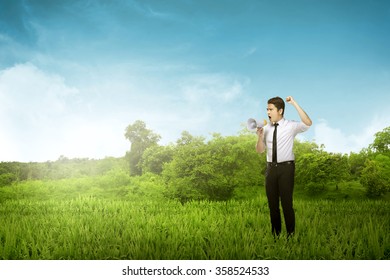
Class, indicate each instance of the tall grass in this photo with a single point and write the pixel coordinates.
(82, 219)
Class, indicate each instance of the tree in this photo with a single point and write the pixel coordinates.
(178, 174)
(212, 170)
(376, 176)
(141, 138)
(316, 170)
(357, 162)
(154, 158)
(381, 142)
(305, 147)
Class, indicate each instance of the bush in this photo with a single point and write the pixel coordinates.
(7, 179)
(212, 170)
(376, 176)
(313, 188)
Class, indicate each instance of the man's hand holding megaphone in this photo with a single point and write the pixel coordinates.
(260, 132)
(254, 125)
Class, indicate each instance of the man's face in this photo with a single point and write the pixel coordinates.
(273, 114)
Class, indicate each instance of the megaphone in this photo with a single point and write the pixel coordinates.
(252, 124)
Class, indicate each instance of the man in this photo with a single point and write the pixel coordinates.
(278, 139)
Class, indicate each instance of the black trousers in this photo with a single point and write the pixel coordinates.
(279, 185)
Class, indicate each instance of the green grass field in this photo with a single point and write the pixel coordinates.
(103, 218)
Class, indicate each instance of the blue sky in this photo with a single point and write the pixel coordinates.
(75, 73)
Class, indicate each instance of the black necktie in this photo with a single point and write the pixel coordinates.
(274, 152)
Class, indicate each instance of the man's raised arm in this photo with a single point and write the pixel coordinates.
(302, 114)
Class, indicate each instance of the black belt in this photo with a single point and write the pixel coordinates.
(274, 164)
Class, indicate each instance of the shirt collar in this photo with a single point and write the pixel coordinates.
(281, 122)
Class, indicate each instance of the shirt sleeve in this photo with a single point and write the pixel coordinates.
(299, 127)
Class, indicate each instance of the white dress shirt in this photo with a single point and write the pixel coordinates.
(287, 130)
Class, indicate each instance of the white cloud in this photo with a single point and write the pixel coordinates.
(337, 141)
(43, 118)
(93, 138)
(26, 90)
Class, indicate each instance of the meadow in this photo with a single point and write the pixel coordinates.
(118, 217)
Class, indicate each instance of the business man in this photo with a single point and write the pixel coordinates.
(278, 139)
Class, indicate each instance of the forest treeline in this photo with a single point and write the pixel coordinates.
(215, 169)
